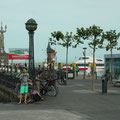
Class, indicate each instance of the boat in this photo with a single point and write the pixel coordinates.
(80, 63)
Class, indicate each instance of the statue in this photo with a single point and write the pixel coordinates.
(2, 38)
(3, 54)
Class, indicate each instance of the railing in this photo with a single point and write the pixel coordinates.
(10, 69)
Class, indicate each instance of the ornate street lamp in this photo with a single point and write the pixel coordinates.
(31, 26)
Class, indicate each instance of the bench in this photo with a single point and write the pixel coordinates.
(115, 81)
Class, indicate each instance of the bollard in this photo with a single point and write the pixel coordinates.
(104, 85)
(96, 75)
(38, 85)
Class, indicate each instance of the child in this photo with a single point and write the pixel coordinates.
(24, 77)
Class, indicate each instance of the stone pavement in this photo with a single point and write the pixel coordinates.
(76, 101)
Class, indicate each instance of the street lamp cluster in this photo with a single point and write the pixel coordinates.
(84, 53)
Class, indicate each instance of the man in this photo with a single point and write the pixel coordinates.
(39, 70)
(24, 77)
(77, 70)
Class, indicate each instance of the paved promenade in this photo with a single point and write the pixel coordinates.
(76, 101)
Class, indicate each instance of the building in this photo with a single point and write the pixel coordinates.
(115, 64)
(50, 54)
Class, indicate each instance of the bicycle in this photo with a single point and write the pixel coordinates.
(61, 77)
(48, 83)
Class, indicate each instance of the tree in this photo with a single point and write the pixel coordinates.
(80, 34)
(58, 38)
(111, 37)
(93, 34)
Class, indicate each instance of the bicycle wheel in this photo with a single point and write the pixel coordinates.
(60, 81)
(42, 90)
(52, 90)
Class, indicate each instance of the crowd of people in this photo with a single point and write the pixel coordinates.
(24, 77)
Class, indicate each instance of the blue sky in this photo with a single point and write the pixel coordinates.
(54, 15)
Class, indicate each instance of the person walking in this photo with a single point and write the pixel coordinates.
(25, 65)
(77, 70)
(39, 70)
(24, 77)
(89, 69)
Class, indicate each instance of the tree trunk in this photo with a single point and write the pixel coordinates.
(111, 69)
(66, 64)
(93, 72)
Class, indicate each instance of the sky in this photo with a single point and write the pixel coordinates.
(57, 15)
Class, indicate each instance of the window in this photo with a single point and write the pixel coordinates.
(82, 58)
(99, 60)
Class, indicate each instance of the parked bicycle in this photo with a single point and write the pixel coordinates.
(48, 83)
(61, 77)
(49, 87)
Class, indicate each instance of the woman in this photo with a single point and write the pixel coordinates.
(89, 69)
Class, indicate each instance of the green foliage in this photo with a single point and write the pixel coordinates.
(112, 37)
(92, 33)
(80, 34)
(58, 38)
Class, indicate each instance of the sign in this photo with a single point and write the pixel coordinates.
(92, 64)
(118, 48)
(18, 54)
(73, 64)
(70, 75)
(61, 64)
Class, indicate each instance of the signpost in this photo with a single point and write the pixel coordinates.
(18, 54)
(118, 48)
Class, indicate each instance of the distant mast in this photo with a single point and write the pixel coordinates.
(89, 52)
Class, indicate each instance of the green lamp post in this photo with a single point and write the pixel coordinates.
(31, 26)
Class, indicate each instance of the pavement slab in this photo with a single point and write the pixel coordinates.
(52, 114)
(76, 101)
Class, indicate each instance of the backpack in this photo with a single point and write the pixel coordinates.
(36, 95)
